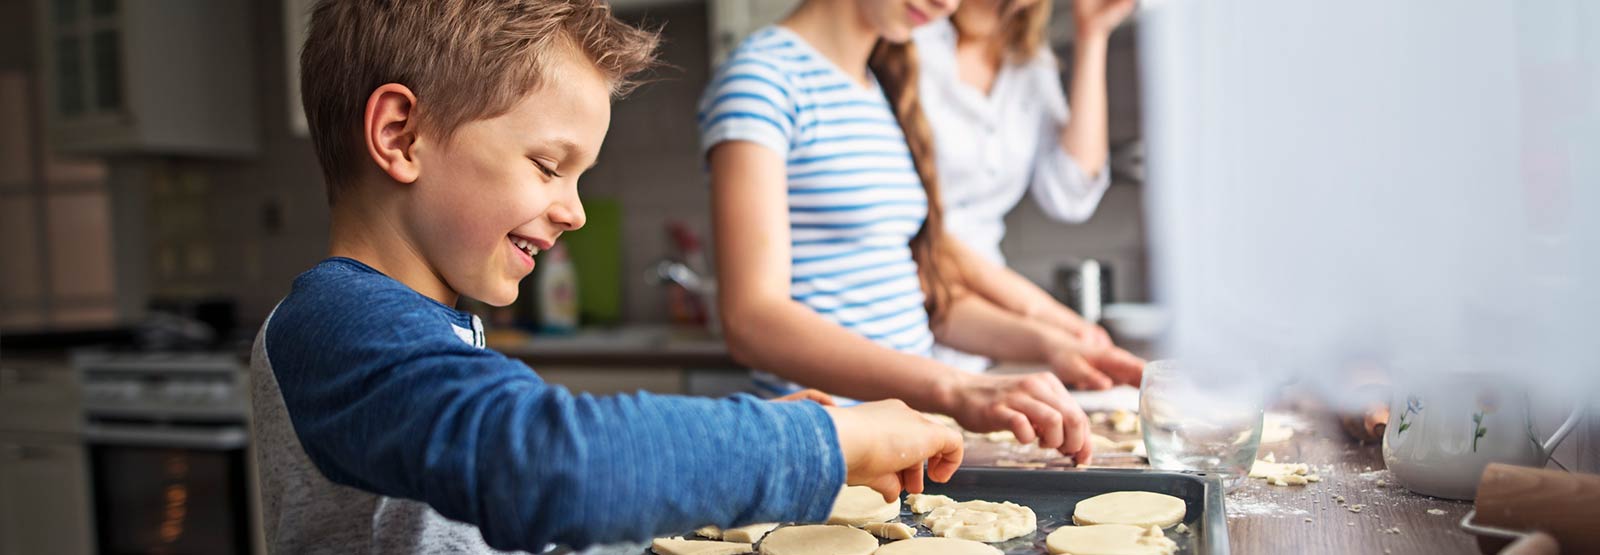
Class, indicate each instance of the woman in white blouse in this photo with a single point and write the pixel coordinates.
(992, 93)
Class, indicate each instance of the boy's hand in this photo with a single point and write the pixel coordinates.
(885, 443)
(821, 398)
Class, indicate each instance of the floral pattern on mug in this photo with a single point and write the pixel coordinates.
(1413, 406)
(1487, 403)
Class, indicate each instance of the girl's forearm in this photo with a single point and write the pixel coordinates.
(974, 325)
(790, 340)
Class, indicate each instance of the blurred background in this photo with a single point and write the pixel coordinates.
(158, 193)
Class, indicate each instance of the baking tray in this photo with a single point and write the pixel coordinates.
(1052, 495)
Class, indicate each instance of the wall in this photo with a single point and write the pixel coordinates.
(261, 221)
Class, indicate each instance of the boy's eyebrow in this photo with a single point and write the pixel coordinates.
(568, 147)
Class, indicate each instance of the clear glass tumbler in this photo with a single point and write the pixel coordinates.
(1204, 418)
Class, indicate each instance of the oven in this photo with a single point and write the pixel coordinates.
(168, 442)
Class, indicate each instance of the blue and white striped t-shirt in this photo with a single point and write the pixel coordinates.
(855, 200)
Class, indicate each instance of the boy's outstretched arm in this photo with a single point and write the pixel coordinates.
(404, 408)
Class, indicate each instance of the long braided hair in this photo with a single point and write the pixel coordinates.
(895, 66)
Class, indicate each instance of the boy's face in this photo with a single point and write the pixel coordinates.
(504, 188)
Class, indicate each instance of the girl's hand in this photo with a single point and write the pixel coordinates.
(885, 443)
(1098, 18)
(821, 398)
(1031, 406)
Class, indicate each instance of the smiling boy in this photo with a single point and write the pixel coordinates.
(452, 134)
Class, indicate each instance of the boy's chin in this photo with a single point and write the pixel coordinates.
(498, 295)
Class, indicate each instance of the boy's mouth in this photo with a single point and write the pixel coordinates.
(525, 245)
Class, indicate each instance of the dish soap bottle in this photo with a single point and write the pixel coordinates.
(558, 292)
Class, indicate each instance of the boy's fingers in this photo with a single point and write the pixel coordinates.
(911, 478)
(888, 485)
(944, 464)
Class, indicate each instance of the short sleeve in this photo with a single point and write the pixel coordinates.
(750, 99)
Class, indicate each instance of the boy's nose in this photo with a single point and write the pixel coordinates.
(568, 215)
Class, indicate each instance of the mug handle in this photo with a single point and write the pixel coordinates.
(1549, 445)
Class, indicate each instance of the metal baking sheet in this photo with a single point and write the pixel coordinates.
(1053, 494)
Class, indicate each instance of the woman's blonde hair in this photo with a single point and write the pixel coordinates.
(1024, 30)
(895, 66)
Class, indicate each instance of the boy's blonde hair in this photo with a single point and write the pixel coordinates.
(464, 59)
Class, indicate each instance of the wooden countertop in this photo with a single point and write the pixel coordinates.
(627, 346)
(1311, 519)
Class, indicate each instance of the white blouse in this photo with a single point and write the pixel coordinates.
(993, 148)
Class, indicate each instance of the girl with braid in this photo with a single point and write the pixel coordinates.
(833, 266)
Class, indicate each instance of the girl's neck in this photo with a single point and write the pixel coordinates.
(836, 29)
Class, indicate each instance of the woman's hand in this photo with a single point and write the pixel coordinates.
(1093, 362)
(885, 443)
(1031, 406)
(1097, 18)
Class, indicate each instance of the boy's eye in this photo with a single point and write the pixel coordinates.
(548, 172)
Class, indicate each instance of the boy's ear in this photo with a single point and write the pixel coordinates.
(390, 131)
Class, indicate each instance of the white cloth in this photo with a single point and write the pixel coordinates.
(992, 148)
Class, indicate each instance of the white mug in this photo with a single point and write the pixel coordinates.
(1443, 431)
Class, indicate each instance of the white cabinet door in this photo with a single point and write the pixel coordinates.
(732, 20)
(44, 499)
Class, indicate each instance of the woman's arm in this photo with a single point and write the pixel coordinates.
(1085, 135)
(767, 329)
(1009, 318)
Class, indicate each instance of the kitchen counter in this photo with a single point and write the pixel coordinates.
(626, 346)
(1311, 519)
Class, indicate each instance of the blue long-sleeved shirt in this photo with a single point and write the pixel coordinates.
(399, 415)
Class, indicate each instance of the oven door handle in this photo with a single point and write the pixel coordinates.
(214, 439)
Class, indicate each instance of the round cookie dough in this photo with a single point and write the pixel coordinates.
(818, 539)
(860, 505)
(936, 546)
(1136, 508)
(1109, 539)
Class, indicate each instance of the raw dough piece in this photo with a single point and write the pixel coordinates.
(920, 503)
(1136, 508)
(1109, 539)
(1124, 421)
(891, 530)
(1103, 444)
(818, 540)
(1282, 474)
(746, 534)
(936, 546)
(680, 546)
(983, 521)
(858, 505)
(1275, 428)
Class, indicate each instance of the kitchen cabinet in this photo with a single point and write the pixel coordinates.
(39, 398)
(148, 77)
(733, 20)
(44, 497)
